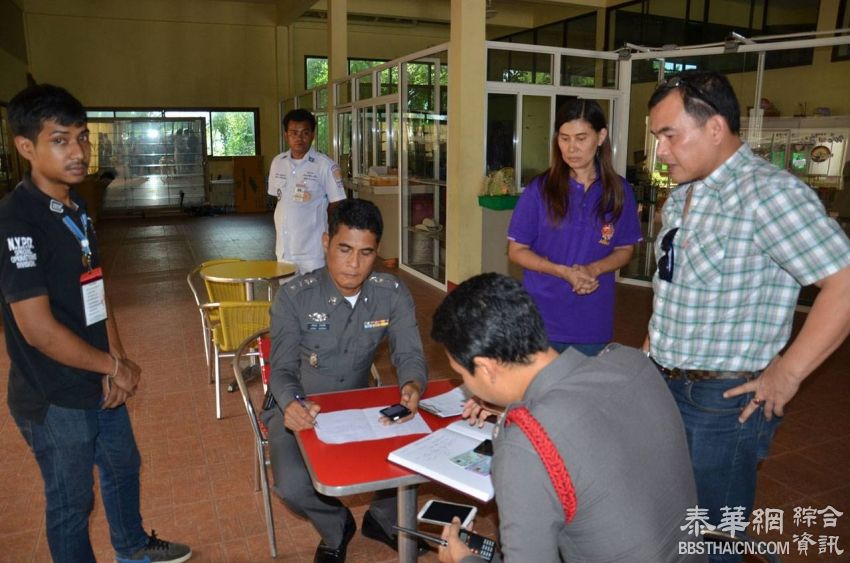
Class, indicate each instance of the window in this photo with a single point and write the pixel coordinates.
(531, 68)
(232, 132)
(519, 66)
(316, 69)
(577, 33)
(656, 23)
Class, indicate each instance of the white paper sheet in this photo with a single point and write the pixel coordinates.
(358, 425)
(447, 404)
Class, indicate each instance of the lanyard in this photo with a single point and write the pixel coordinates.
(80, 236)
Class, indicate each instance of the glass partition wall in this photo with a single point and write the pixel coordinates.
(522, 100)
(390, 138)
(425, 126)
(808, 142)
(525, 85)
(158, 163)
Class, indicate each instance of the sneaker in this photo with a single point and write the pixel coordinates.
(158, 551)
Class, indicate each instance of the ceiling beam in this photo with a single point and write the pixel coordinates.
(288, 11)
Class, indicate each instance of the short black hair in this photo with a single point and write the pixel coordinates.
(489, 316)
(358, 214)
(704, 93)
(299, 115)
(34, 105)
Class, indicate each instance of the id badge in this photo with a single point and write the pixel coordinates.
(301, 195)
(94, 296)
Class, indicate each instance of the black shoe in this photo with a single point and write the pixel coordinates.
(372, 530)
(326, 554)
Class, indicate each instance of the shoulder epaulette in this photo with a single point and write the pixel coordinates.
(301, 283)
(381, 279)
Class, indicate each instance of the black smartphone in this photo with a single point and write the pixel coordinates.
(395, 412)
(482, 546)
(484, 448)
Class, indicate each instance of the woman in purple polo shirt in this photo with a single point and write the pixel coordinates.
(573, 226)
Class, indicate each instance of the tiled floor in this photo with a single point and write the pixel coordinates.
(197, 482)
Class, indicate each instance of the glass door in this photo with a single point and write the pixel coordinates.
(158, 163)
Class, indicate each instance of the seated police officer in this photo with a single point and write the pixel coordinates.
(325, 327)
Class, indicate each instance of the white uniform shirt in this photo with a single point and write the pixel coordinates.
(303, 188)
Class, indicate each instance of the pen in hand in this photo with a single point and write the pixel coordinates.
(301, 402)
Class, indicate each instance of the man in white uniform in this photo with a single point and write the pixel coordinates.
(305, 183)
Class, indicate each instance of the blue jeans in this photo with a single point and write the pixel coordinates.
(586, 349)
(67, 445)
(724, 452)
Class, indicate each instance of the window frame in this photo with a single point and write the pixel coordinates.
(208, 118)
(843, 16)
(350, 72)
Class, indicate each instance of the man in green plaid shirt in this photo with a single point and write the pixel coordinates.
(739, 238)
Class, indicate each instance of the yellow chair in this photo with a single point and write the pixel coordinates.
(255, 344)
(226, 291)
(237, 320)
(196, 285)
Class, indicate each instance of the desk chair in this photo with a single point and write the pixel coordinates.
(195, 285)
(257, 343)
(237, 320)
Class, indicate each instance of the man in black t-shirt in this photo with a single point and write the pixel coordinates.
(69, 376)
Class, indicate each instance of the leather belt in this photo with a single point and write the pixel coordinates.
(700, 374)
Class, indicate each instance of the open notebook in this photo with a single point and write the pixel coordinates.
(447, 456)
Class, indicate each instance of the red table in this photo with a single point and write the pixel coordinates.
(359, 467)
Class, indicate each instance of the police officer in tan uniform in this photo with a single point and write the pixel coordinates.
(325, 329)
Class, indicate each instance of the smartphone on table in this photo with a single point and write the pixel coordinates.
(441, 513)
(395, 412)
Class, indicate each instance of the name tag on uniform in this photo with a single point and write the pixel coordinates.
(318, 326)
(376, 324)
(301, 194)
(94, 296)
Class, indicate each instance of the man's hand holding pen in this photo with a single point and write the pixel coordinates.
(300, 414)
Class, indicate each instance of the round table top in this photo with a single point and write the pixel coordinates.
(247, 271)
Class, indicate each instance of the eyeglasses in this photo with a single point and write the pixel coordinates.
(693, 90)
(668, 259)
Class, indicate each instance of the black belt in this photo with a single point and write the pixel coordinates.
(701, 374)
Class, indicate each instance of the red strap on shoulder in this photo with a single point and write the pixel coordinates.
(552, 461)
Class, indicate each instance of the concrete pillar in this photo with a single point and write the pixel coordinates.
(467, 136)
(285, 87)
(337, 54)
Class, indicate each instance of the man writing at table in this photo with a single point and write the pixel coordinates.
(590, 461)
(325, 329)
